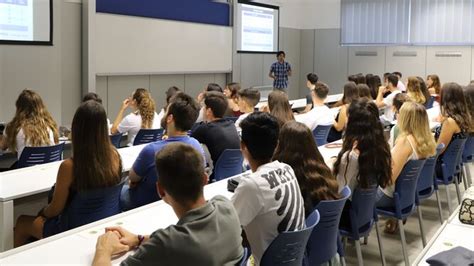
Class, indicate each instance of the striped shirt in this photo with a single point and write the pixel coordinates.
(280, 70)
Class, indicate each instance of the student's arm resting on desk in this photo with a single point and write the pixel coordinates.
(341, 122)
(400, 154)
(144, 160)
(61, 190)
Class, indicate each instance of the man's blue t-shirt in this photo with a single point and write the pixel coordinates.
(144, 166)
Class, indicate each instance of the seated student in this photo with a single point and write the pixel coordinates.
(469, 95)
(424, 91)
(433, 83)
(374, 82)
(92, 96)
(414, 142)
(247, 100)
(350, 94)
(200, 98)
(386, 103)
(95, 163)
(179, 118)
(456, 120)
(170, 92)
(231, 92)
(32, 125)
(143, 115)
(398, 101)
(297, 148)
(279, 107)
(364, 160)
(311, 80)
(400, 84)
(414, 91)
(261, 198)
(364, 91)
(207, 233)
(216, 133)
(319, 115)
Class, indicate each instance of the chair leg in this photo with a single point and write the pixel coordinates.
(458, 192)
(468, 174)
(439, 207)
(448, 198)
(404, 243)
(379, 240)
(366, 240)
(359, 252)
(420, 221)
(464, 179)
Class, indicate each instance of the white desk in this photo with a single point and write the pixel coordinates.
(301, 103)
(20, 183)
(77, 246)
(451, 234)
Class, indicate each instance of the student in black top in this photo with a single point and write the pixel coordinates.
(216, 133)
(312, 79)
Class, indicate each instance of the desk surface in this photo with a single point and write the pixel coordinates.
(301, 103)
(32, 180)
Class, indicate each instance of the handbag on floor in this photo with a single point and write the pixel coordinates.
(466, 211)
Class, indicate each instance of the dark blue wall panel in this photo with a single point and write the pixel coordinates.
(199, 11)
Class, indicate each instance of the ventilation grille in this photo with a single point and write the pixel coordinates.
(366, 53)
(448, 54)
(405, 54)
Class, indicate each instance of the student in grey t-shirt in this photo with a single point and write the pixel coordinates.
(207, 233)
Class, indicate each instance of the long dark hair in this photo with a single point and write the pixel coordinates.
(374, 82)
(297, 148)
(94, 156)
(365, 131)
(280, 107)
(453, 104)
(424, 89)
(350, 93)
(469, 95)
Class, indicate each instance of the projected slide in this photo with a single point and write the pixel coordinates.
(16, 20)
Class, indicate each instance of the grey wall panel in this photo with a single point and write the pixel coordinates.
(70, 61)
(452, 64)
(121, 87)
(290, 43)
(102, 91)
(195, 83)
(366, 60)
(268, 60)
(330, 59)
(251, 70)
(236, 66)
(410, 61)
(306, 58)
(220, 79)
(159, 84)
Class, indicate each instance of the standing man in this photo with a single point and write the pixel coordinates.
(279, 72)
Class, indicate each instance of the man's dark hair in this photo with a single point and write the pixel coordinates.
(392, 79)
(185, 111)
(250, 95)
(217, 102)
(321, 90)
(312, 78)
(399, 100)
(92, 96)
(214, 87)
(260, 134)
(281, 53)
(397, 73)
(180, 168)
(171, 92)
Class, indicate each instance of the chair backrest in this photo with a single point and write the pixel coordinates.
(148, 135)
(429, 103)
(231, 118)
(405, 187)
(115, 139)
(288, 248)
(452, 157)
(40, 155)
(362, 210)
(320, 134)
(468, 152)
(427, 177)
(322, 244)
(228, 164)
(93, 205)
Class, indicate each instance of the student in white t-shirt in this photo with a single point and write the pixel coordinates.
(320, 114)
(143, 115)
(247, 100)
(268, 200)
(387, 102)
(200, 98)
(92, 96)
(32, 125)
(400, 85)
(169, 93)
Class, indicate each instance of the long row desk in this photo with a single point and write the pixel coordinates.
(21, 183)
(301, 103)
(77, 246)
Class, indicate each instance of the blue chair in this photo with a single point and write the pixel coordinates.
(467, 158)
(115, 139)
(148, 135)
(320, 134)
(40, 155)
(228, 164)
(426, 186)
(450, 167)
(429, 103)
(90, 206)
(323, 244)
(362, 219)
(288, 247)
(404, 198)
